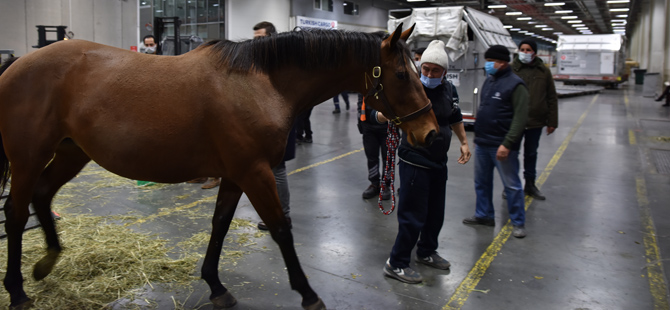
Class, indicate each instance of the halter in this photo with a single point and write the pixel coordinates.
(377, 90)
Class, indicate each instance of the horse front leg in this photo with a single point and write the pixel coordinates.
(263, 195)
(226, 203)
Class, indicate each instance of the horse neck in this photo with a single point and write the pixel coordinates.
(307, 88)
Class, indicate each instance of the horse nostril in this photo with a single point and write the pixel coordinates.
(430, 137)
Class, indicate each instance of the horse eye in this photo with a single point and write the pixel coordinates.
(401, 75)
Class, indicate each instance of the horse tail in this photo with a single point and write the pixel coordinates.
(4, 161)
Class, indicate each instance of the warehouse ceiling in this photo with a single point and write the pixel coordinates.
(545, 19)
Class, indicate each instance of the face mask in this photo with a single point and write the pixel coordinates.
(525, 57)
(489, 67)
(430, 82)
(150, 50)
(417, 63)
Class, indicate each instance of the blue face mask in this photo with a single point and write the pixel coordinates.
(489, 67)
(430, 82)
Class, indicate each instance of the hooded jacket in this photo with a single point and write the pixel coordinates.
(543, 102)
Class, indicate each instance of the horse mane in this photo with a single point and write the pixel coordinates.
(305, 48)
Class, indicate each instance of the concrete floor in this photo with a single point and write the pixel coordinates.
(586, 245)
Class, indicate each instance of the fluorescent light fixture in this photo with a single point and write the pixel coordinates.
(583, 28)
(557, 33)
(547, 29)
(618, 1)
(575, 21)
(532, 22)
(568, 17)
(619, 27)
(497, 6)
(619, 31)
(515, 29)
(620, 10)
(621, 16)
(513, 13)
(554, 3)
(507, 26)
(578, 25)
(540, 26)
(416, 0)
(524, 18)
(563, 12)
(618, 24)
(618, 21)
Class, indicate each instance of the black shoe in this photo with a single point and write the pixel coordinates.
(386, 194)
(336, 111)
(347, 106)
(308, 140)
(371, 191)
(262, 226)
(666, 105)
(479, 221)
(531, 190)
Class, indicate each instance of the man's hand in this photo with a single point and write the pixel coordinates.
(550, 130)
(381, 118)
(465, 154)
(502, 153)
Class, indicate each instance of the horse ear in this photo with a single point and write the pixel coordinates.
(395, 36)
(405, 34)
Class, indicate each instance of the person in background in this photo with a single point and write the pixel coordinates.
(374, 143)
(665, 94)
(542, 109)
(303, 127)
(265, 29)
(501, 119)
(336, 102)
(417, 56)
(423, 175)
(150, 46)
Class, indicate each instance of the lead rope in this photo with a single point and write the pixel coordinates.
(392, 141)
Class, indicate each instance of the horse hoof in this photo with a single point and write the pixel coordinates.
(318, 305)
(23, 305)
(44, 267)
(224, 301)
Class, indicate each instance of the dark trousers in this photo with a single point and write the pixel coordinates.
(374, 141)
(531, 141)
(303, 125)
(420, 212)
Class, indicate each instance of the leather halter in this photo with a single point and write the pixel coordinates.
(377, 90)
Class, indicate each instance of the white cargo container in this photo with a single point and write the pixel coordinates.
(468, 33)
(594, 59)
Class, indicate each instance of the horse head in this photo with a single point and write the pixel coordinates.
(398, 92)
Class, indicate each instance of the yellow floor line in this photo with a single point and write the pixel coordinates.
(213, 198)
(655, 274)
(470, 282)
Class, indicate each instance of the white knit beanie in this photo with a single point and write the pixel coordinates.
(436, 54)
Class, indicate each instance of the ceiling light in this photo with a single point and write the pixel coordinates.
(620, 10)
(583, 28)
(621, 16)
(547, 29)
(540, 26)
(554, 3)
(515, 29)
(416, 0)
(575, 21)
(619, 27)
(558, 33)
(569, 17)
(578, 25)
(513, 13)
(524, 18)
(618, 24)
(497, 6)
(618, 1)
(563, 12)
(618, 20)
(507, 26)
(532, 22)
(619, 31)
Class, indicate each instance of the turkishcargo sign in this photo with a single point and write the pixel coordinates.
(308, 22)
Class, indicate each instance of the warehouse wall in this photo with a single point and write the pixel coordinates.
(649, 42)
(111, 22)
(242, 15)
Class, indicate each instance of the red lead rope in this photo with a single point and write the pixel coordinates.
(392, 142)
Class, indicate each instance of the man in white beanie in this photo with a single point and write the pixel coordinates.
(423, 174)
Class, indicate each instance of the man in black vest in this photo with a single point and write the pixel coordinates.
(501, 119)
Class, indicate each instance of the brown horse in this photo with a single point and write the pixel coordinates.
(224, 109)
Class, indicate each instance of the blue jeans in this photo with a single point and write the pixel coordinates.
(420, 212)
(531, 141)
(485, 162)
(281, 178)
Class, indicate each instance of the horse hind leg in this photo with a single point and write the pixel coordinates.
(67, 162)
(262, 193)
(226, 203)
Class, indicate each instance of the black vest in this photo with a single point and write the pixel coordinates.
(495, 112)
